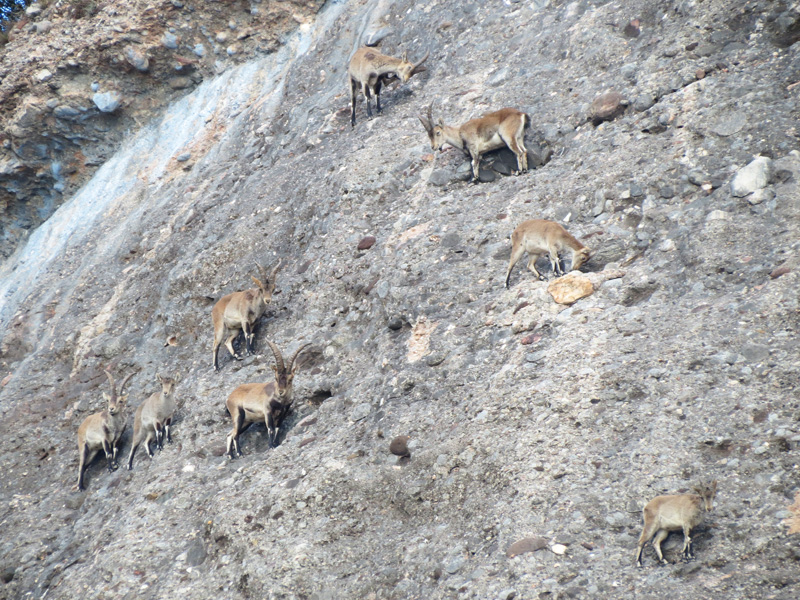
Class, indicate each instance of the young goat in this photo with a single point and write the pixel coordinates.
(539, 237)
(268, 402)
(239, 311)
(102, 430)
(675, 513)
(154, 418)
(505, 127)
(369, 70)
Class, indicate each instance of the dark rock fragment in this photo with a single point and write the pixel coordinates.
(530, 544)
(607, 107)
(366, 242)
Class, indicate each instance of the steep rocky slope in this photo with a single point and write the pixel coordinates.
(527, 419)
(77, 76)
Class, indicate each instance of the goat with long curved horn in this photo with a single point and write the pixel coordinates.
(269, 402)
(103, 430)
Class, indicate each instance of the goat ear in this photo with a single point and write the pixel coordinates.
(404, 58)
(275, 368)
(159, 379)
(106, 397)
(714, 485)
(441, 122)
(257, 282)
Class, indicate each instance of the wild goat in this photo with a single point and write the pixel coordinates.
(240, 311)
(103, 430)
(369, 70)
(154, 418)
(675, 513)
(505, 127)
(269, 402)
(539, 237)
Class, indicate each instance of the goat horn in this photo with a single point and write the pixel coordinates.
(113, 386)
(275, 270)
(417, 66)
(427, 123)
(297, 353)
(124, 381)
(278, 357)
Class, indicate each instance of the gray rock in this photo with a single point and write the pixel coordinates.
(67, 112)
(752, 177)
(137, 58)
(698, 177)
(755, 352)
(361, 411)
(180, 83)
(43, 26)
(43, 75)
(374, 38)
(183, 157)
(199, 50)
(644, 101)
(455, 564)
(441, 177)
(762, 195)
(169, 40)
(107, 102)
(730, 123)
(535, 357)
(195, 553)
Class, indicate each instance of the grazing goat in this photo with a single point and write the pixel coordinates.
(240, 311)
(505, 127)
(369, 70)
(154, 418)
(269, 402)
(539, 237)
(102, 430)
(675, 513)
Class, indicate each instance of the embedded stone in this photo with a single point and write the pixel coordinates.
(570, 288)
(367, 242)
(752, 177)
(607, 107)
(107, 102)
(530, 544)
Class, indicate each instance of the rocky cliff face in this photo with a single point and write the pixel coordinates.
(529, 421)
(76, 77)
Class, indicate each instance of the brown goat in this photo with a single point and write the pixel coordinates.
(539, 237)
(153, 419)
(505, 127)
(103, 430)
(675, 513)
(239, 311)
(369, 70)
(269, 402)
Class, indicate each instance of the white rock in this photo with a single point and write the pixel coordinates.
(558, 549)
(107, 102)
(43, 75)
(717, 215)
(752, 177)
(667, 245)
